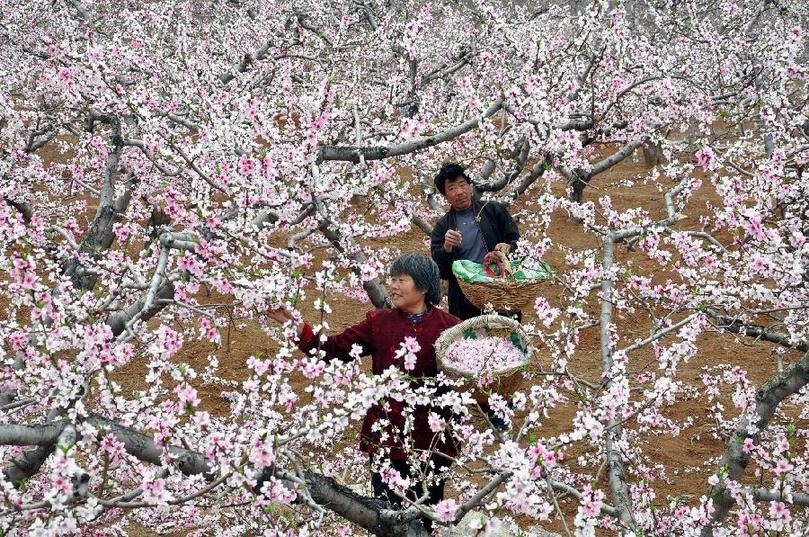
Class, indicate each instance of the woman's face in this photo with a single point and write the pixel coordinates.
(405, 295)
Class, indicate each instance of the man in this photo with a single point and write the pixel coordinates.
(469, 230)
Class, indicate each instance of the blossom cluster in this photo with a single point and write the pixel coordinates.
(484, 357)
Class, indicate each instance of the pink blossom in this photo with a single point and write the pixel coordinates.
(757, 262)
(411, 344)
(113, 447)
(445, 510)
(782, 467)
(169, 340)
(705, 157)
(755, 228)
(121, 231)
(544, 311)
(407, 350)
(63, 485)
(487, 354)
(189, 262)
(436, 422)
(18, 340)
(747, 446)
(246, 165)
(779, 511)
(64, 74)
(29, 280)
(187, 395)
(279, 491)
(154, 490)
(262, 453)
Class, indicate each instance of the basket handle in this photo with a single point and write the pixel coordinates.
(503, 265)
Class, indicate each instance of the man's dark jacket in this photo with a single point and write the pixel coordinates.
(496, 225)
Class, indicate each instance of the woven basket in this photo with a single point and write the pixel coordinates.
(506, 381)
(504, 293)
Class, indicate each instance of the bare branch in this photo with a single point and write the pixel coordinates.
(353, 153)
(659, 334)
(12, 434)
(626, 150)
(329, 225)
(613, 457)
(423, 225)
(475, 500)
(759, 332)
(761, 494)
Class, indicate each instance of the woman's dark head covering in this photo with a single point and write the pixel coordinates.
(424, 272)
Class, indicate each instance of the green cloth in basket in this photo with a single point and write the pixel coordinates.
(472, 272)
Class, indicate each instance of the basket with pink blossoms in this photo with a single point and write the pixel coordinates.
(490, 351)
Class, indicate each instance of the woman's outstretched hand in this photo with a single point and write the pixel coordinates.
(282, 315)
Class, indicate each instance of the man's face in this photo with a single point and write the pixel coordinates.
(458, 193)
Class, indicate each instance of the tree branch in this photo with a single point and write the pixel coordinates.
(603, 165)
(23, 208)
(737, 326)
(370, 513)
(762, 494)
(751, 424)
(613, 457)
(330, 229)
(352, 153)
(12, 434)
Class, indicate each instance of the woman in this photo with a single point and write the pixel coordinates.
(415, 291)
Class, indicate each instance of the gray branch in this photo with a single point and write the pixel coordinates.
(247, 60)
(578, 179)
(100, 234)
(353, 153)
(344, 243)
(370, 513)
(376, 291)
(762, 494)
(25, 464)
(613, 458)
(737, 326)
(537, 171)
(423, 225)
(12, 434)
(625, 151)
(144, 448)
(520, 155)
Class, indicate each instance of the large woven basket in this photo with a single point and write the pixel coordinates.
(502, 294)
(505, 293)
(506, 381)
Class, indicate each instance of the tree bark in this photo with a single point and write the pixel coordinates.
(614, 459)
